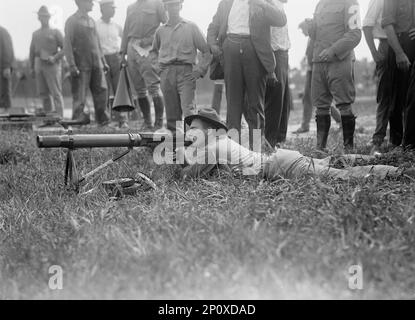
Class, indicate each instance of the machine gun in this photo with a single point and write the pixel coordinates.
(88, 141)
(22, 119)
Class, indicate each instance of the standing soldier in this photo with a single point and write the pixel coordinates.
(399, 24)
(239, 35)
(6, 65)
(110, 35)
(335, 32)
(176, 45)
(143, 19)
(372, 28)
(46, 53)
(87, 64)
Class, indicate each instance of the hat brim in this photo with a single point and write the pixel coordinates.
(216, 124)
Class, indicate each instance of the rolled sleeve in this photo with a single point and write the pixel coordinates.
(389, 13)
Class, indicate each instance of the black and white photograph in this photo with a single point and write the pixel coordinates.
(190, 151)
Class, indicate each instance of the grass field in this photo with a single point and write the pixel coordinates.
(224, 238)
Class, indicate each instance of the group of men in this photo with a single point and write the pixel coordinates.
(247, 41)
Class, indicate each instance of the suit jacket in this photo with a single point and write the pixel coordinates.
(262, 18)
(6, 50)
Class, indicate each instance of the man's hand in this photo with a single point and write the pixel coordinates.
(7, 73)
(216, 51)
(272, 80)
(403, 62)
(51, 60)
(106, 67)
(412, 34)
(327, 55)
(74, 71)
(195, 75)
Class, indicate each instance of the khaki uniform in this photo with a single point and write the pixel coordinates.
(336, 26)
(6, 61)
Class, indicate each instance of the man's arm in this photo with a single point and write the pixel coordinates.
(213, 31)
(369, 23)
(124, 38)
(201, 45)
(32, 53)
(273, 15)
(59, 39)
(388, 22)
(353, 35)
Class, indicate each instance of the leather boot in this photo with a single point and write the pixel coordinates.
(159, 112)
(323, 128)
(146, 111)
(349, 126)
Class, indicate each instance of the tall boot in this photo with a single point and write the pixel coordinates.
(146, 111)
(349, 126)
(323, 128)
(159, 112)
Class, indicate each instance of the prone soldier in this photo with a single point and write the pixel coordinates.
(335, 31)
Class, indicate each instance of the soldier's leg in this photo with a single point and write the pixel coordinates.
(171, 94)
(285, 116)
(409, 129)
(98, 86)
(80, 87)
(114, 63)
(322, 99)
(53, 78)
(139, 85)
(307, 104)
(217, 96)
(5, 92)
(235, 87)
(152, 81)
(187, 90)
(341, 84)
(42, 85)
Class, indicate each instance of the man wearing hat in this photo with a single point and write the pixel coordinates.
(6, 66)
(46, 53)
(176, 45)
(87, 63)
(212, 148)
(110, 34)
(143, 19)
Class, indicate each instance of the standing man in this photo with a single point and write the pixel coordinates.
(240, 33)
(335, 32)
(6, 66)
(372, 28)
(110, 35)
(399, 24)
(176, 45)
(87, 63)
(143, 19)
(307, 101)
(46, 53)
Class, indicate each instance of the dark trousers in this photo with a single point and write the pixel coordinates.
(385, 108)
(113, 77)
(94, 80)
(245, 76)
(278, 102)
(403, 93)
(5, 92)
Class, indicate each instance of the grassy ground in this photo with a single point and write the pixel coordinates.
(224, 238)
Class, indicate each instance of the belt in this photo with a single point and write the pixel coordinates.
(177, 63)
(238, 36)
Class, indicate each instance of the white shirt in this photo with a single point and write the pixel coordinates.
(238, 20)
(280, 39)
(110, 35)
(374, 18)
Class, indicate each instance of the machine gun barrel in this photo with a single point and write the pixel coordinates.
(86, 141)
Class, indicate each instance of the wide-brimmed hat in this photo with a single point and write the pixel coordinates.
(44, 11)
(209, 115)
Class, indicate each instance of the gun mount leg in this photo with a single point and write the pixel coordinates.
(71, 172)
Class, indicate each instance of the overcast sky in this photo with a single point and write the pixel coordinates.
(19, 17)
